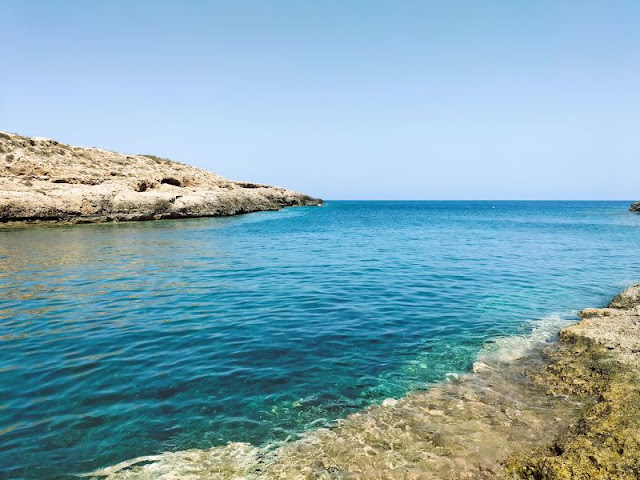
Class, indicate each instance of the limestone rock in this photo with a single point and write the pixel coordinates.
(598, 358)
(45, 180)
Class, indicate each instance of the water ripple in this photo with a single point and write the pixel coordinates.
(132, 339)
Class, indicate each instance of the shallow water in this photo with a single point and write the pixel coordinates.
(133, 339)
(465, 427)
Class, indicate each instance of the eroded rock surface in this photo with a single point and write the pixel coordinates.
(635, 207)
(45, 180)
(598, 358)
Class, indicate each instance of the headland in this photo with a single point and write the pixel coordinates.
(44, 180)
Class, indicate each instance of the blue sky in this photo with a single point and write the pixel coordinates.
(342, 99)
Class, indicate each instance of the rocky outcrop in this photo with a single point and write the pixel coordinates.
(43, 180)
(598, 359)
(635, 207)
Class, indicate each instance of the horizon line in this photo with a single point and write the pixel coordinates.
(472, 200)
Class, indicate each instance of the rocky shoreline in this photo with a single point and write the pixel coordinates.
(555, 409)
(635, 207)
(598, 359)
(43, 180)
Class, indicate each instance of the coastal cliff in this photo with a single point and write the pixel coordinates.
(43, 180)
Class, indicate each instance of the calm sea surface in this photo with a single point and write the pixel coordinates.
(137, 338)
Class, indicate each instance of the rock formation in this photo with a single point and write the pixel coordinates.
(599, 360)
(635, 207)
(45, 180)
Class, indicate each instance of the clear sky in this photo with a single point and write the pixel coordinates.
(478, 99)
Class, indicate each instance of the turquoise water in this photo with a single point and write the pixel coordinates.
(131, 339)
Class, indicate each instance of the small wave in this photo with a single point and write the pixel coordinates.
(514, 347)
(229, 461)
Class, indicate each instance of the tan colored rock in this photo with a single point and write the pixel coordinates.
(615, 328)
(598, 359)
(45, 180)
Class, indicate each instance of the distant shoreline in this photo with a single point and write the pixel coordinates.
(45, 181)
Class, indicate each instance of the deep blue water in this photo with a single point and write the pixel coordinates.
(129, 339)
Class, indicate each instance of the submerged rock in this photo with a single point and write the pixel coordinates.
(531, 409)
(45, 180)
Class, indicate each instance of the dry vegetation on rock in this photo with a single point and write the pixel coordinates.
(45, 180)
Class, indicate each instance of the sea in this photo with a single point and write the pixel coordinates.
(130, 339)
